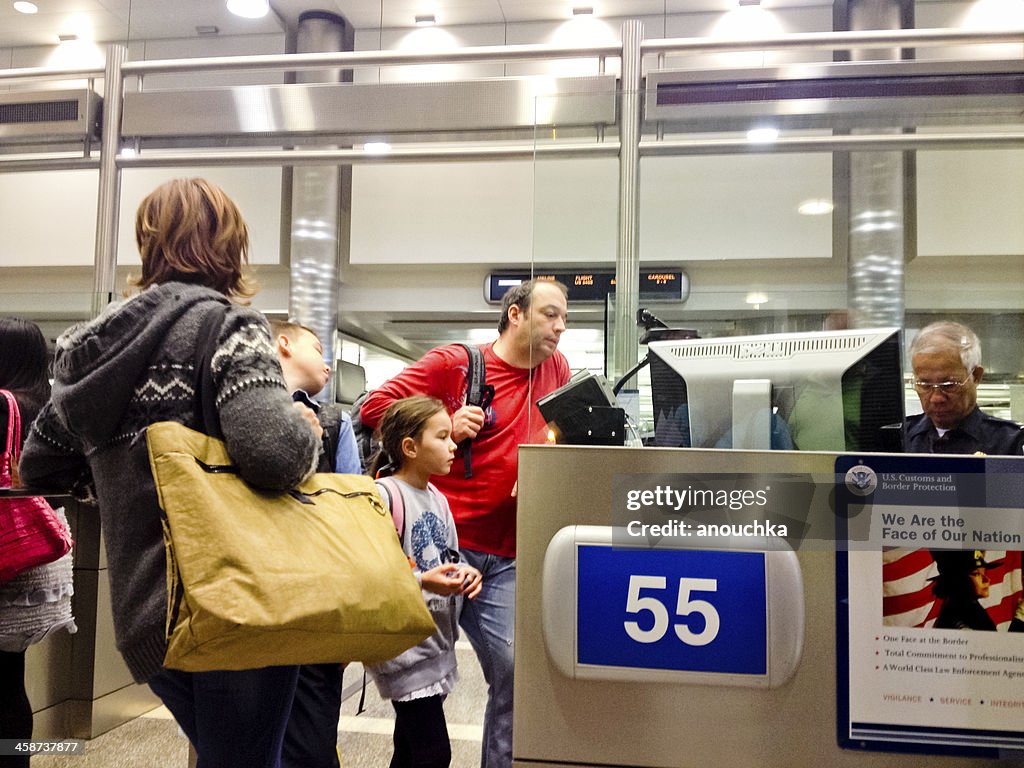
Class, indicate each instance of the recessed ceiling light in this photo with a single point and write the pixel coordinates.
(207, 29)
(376, 147)
(426, 20)
(23, 6)
(762, 135)
(815, 207)
(249, 9)
(583, 10)
(756, 298)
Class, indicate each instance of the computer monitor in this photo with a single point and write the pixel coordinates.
(584, 412)
(822, 390)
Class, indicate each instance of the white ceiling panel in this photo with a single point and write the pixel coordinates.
(127, 20)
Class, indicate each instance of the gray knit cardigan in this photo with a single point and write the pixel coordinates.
(133, 366)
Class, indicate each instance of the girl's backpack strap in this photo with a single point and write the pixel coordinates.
(396, 502)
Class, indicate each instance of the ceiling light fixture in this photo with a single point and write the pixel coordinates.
(583, 10)
(249, 9)
(426, 20)
(763, 135)
(815, 207)
(23, 6)
(376, 148)
(757, 298)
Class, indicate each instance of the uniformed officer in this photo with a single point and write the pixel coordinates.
(946, 359)
(962, 582)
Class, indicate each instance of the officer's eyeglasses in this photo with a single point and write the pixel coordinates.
(945, 387)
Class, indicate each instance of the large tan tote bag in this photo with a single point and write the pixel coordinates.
(255, 578)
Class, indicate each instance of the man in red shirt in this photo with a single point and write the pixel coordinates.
(523, 365)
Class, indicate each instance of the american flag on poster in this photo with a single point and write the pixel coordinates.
(907, 599)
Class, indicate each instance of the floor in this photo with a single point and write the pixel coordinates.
(154, 741)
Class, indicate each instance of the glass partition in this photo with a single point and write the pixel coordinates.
(776, 231)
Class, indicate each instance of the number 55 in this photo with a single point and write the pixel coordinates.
(635, 603)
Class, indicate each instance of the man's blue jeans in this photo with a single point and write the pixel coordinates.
(233, 719)
(489, 622)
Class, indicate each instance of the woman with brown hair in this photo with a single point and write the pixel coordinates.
(133, 366)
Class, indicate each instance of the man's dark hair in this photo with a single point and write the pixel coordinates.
(520, 296)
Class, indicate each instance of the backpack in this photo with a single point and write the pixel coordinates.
(330, 415)
(366, 441)
(478, 393)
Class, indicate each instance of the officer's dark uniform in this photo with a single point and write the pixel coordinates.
(979, 432)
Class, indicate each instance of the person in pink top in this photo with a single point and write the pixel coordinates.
(523, 365)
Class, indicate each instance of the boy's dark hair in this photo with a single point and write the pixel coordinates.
(520, 296)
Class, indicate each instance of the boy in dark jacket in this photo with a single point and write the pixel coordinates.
(311, 737)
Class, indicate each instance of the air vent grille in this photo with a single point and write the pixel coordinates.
(760, 350)
(57, 111)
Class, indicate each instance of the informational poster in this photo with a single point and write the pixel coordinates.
(930, 624)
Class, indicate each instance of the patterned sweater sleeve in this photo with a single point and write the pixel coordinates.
(272, 445)
(53, 458)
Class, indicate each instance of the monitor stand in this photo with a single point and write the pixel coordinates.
(752, 414)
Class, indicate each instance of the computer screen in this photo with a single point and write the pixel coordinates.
(816, 391)
(584, 412)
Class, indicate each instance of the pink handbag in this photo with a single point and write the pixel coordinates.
(31, 533)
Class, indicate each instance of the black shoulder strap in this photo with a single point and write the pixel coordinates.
(205, 401)
(330, 422)
(476, 375)
(478, 392)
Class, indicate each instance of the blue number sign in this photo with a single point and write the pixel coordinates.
(691, 610)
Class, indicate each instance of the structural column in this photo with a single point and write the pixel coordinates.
(108, 204)
(881, 221)
(320, 203)
(626, 338)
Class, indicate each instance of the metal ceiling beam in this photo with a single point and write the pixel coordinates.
(291, 62)
(359, 157)
(648, 148)
(854, 143)
(830, 41)
(302, 61)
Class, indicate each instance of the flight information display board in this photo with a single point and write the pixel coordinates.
(594, 285)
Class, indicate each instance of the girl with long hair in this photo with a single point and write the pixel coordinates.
(416, 444)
